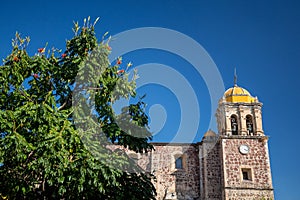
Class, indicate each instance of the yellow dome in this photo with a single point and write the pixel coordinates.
(238, 94)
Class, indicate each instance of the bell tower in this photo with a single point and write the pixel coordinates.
(245, 167)
(239, 113)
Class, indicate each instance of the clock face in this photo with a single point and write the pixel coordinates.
(244, 149)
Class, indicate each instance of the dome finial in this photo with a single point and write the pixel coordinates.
(235, 77)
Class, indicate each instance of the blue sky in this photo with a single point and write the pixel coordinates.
(260, 38)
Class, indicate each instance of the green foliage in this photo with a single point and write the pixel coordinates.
(55, 147)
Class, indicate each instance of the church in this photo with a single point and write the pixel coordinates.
(232, 164)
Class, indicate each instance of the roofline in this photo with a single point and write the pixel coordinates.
(174, 144)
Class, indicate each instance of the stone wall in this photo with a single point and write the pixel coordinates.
(171, 183)
(256, 161)
(175, 183)
(249, 194)
(210, 169)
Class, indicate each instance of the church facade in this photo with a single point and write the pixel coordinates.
(232, 164)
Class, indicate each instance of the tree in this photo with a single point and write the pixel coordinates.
(57, 123)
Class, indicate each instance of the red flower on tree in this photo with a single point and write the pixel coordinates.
(119, 61)
(108, 48)
(121, 71)
(16, 59)
(35, 75)
(41, 50)
(63, 55)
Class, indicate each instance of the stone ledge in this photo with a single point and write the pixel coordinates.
(263, 137)
(247, 188)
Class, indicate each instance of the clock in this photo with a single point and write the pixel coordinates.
(244, 149)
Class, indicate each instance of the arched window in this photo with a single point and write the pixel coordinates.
(249, 123)
(178, 163)
(234, 125)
